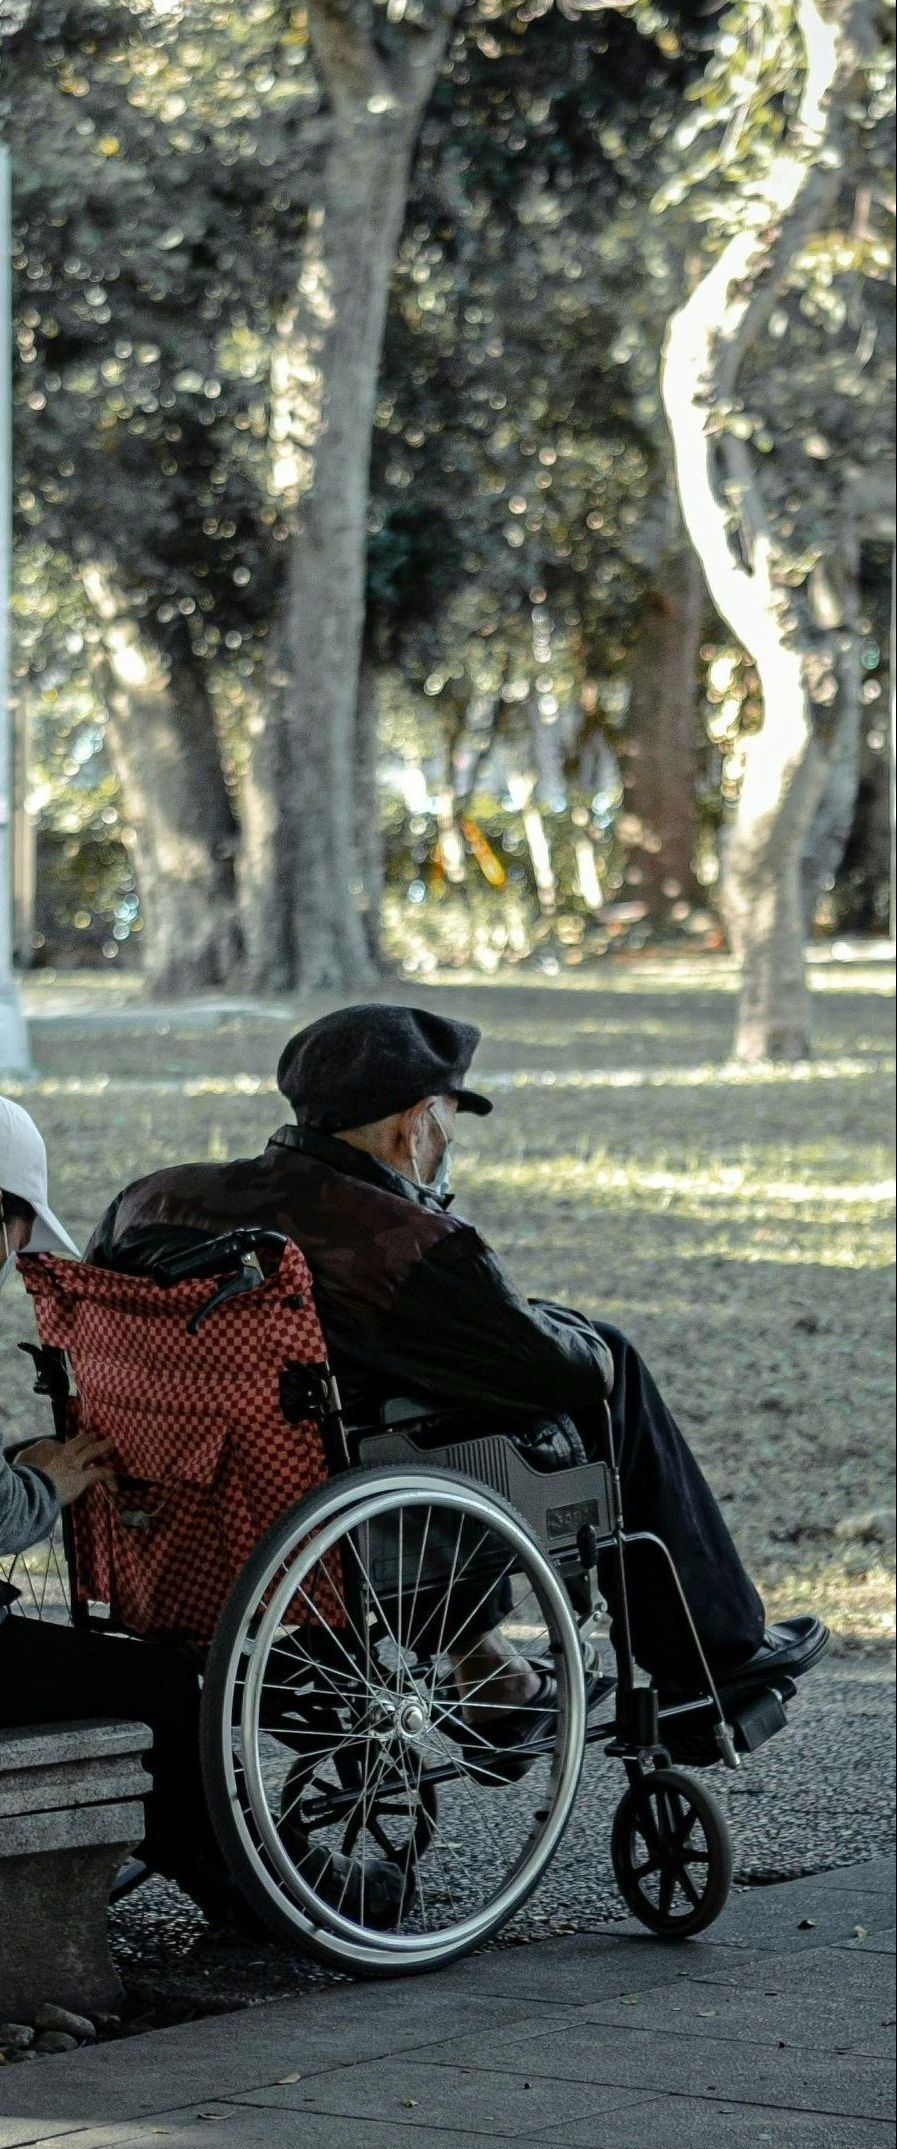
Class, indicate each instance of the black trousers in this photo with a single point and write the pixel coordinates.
(51, 1674)
(665, 1491)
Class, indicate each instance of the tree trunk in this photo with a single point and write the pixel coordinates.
(265, 862)
(761, 897)
(785, 764)
(376, 106)
(660, 750)
(368, 829)
(833, 820)
(163, 744)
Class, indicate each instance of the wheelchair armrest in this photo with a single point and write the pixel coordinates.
(556, 1504)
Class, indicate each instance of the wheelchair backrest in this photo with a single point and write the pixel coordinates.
(202, 1421)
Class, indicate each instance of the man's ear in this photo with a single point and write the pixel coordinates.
(408, 1124)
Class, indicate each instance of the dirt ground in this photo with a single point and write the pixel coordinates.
(738, 1224)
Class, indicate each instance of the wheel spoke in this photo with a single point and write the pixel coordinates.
(687, 1885)
(682, 1833)
(650, 1865)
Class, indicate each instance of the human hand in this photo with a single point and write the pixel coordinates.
(72, 1466)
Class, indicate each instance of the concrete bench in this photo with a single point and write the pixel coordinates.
(71, 1808)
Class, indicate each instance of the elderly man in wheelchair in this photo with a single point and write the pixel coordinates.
(399, 1679)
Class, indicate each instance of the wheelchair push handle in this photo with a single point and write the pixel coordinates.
(216, 1257)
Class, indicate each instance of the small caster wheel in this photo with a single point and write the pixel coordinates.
(672, 1854)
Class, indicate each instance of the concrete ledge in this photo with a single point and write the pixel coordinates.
(71, 1801)
(34, 1834)
(69, 1766)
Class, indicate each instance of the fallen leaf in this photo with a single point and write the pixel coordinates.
(409, 2104)
(861, 1932)
(284, 2078)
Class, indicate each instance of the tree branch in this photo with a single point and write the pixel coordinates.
(711, 334)
(353, 73)
(361, 79)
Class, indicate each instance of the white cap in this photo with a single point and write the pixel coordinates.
(23, 1171)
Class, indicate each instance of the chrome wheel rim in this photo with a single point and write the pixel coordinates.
(400, 1734)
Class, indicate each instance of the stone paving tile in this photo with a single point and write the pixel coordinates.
(745, 2013)
(671, 2123)
(875, 1942)
(589, 2051)
(227, 2054)
(799, 1914)
(874, 2044)
(652, 2123)
(568, 1972)
(862, 1978)
(213, 2125)
(625, 2043)
(416, 2092)
(868, 1873)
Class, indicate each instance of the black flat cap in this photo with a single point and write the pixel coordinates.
(364, 1063)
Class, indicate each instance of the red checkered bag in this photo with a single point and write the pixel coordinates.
(205, 1457)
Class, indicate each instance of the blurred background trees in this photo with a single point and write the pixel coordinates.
(374, 605)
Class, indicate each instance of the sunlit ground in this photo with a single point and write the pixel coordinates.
(739, 1224)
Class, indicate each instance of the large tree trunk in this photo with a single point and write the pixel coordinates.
(659, 754)
(368, 829)
(785, 762)
(163, 744)
(265, 877)
(839, 604)
(761, 896)
(376, 105)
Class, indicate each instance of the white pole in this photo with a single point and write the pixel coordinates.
(892, 901)
(14, 1057)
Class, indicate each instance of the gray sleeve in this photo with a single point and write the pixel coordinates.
(28, 1507)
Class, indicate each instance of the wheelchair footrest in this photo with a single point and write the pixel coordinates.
(759, 1717)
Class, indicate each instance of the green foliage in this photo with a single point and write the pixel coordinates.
(575, 171)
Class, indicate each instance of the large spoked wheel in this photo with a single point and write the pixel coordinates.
(363, 1816)
(41, 1577)
(672, 1854)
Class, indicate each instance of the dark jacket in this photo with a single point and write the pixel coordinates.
(408, 1296)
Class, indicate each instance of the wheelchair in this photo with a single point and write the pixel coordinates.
(330, 1599)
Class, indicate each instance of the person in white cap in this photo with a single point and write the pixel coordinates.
(23, 1179)
(46, 1476)
(55, 1674)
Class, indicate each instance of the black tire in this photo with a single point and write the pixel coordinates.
(672, 1854)
(229, 1791)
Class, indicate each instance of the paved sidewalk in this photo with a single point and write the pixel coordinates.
(775, 2029)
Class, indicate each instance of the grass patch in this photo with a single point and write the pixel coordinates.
(738, 1223)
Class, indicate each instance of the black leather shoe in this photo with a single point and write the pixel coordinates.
(786, 1652)
(372, 1891)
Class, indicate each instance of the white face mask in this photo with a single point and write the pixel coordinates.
(441, 1181)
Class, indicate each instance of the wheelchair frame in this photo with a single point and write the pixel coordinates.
(572, 1516)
